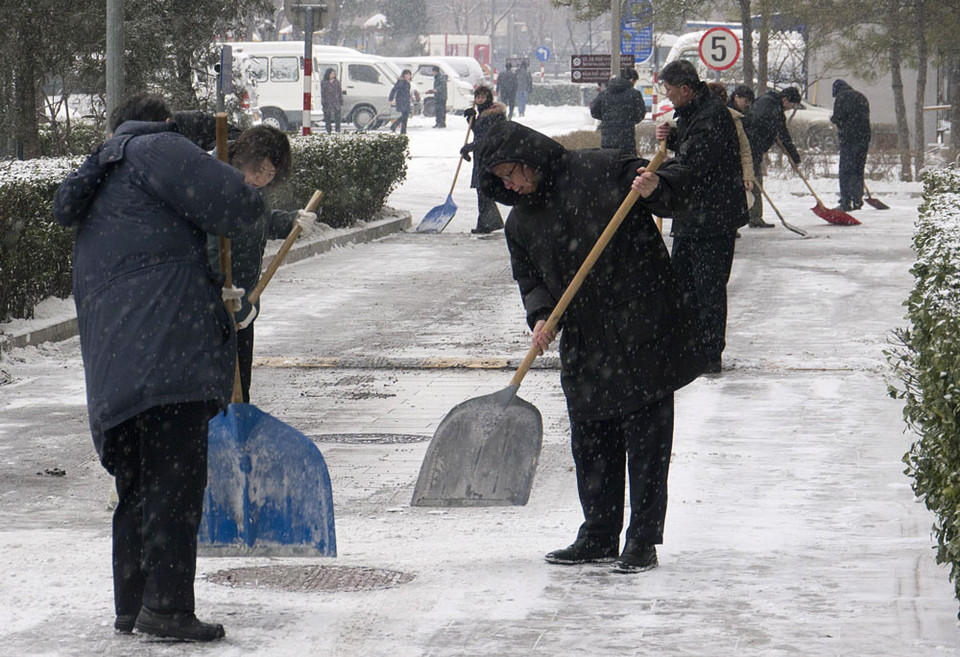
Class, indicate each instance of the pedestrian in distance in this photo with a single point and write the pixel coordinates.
(507, 88)
(707, 156)
(400, 99)
(331, 99)
(851, 115)
(619, 108)
(627, 340)
(439, 93)
(262, 154)
(765, 124)
(524, 87)
(484, 114)
(158, 346)
(719, 90)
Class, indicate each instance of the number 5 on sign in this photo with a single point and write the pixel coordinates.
(719, 48)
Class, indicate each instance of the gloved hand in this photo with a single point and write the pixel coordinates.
(246, 321)
(307, 222)
(231, 297)
(465, 152)
(470, 113)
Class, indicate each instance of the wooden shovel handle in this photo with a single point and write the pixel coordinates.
(587, 265)
(312, 206)
(226, 266)
(798, 172)
(466, 138)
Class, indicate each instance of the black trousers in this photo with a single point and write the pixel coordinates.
(853, 159)
(488, 214)
(160, 469)
(441, 114)
(703, 269)
(245, 359)
(332, 118)
(637, 445)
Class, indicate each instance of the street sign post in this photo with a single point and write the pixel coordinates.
(719, 48)
(594, 69)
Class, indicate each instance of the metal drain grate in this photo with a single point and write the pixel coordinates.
(370, 438)
(311, 578)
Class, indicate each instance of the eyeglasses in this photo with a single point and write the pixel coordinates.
(507, 178)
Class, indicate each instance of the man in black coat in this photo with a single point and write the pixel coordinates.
(440, 80)
(765, 124)
(627, 342)
(711, 178)
(851, 114)
(619, 108)
(507, 89)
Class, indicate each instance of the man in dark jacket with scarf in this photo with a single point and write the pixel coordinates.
(765, 123)
(851, 115)
(158, 346)
(482, 116)
(619, 108)
(627, 342)
(709, 174)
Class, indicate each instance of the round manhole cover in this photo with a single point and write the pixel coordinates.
(311, 578)
(370, 438)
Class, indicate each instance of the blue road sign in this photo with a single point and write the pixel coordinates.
(543, 54)
(636, 30)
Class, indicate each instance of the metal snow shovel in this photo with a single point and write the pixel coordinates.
(485, 450)
(878, 204)
(798, 231)
(437, 218)
(838, 217)
(268, 490)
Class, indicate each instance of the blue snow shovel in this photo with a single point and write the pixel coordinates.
(268, 490)
(438, 218)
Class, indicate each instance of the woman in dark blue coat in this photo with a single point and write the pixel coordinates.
(158, 346)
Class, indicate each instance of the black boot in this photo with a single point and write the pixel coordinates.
(585, 550)
(182, 625)
(124, 623)
(636, 558)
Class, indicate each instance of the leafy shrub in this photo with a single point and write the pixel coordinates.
(356, 174)
(926, 361)
(36, 254)
(556, 95)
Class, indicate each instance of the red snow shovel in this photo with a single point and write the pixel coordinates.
(485, 450)
(268, 490)
(880, 205)
(838, 217)
(438, 217)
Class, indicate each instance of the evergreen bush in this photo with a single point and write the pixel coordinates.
(926, 363)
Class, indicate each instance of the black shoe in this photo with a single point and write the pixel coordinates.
(713, 367)
(585, 550)
(182, 625)
(760, 224)
(843, 208)
(124, 623)
(636, 558)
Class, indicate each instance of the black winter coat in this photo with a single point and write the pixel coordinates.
(708, 169)
(507, 85)
(331, 94)
(851, 114)
(619, 108)
(400, 94)
(626, 338)
(153, 327)
(764, 123)
(487, 116)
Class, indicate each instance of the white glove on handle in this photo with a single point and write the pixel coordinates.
(232, 296)
(246, 321)
(307, 222)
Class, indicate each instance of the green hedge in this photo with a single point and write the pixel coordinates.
(926, 362)
(336, 165)
(555, 95)
(355, 172)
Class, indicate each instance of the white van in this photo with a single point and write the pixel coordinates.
(459, 93)
(272, 71)
(468, 69)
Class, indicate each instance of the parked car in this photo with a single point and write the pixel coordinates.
(272, 71)
(459, 93)
(468, 69)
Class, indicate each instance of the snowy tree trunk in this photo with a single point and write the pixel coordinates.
(922, 57)
(747, 45)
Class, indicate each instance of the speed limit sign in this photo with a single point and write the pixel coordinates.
(719, 48)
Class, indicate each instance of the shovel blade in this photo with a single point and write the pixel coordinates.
(838, 217)
(880, 205)
(438, 218)
(484, 453)
(268, 489)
